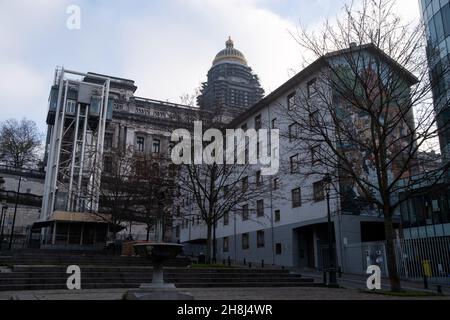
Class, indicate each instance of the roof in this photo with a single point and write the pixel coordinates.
(316, 65)
(230, 54)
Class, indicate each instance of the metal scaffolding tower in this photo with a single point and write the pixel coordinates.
(77, 118)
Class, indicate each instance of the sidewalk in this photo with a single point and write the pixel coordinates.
(242, 294)
(354, 281)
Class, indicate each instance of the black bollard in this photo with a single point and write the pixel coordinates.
(229, 261)
(324, 277)
(340, 272)
(262, 263)
(245, 262)
(223, 261)
(439, 289)
(425, 282)
(249, 265)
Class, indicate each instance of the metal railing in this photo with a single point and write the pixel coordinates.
(422, 259)
(29, 173)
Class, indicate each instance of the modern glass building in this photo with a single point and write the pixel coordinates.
(436, 15)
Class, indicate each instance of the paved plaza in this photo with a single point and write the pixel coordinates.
(216, 294)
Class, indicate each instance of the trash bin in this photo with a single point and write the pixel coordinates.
(201, 258)
(426, 264)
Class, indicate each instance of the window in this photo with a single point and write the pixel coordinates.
(294, 130)
(294, 161)
(274, 123)
(226, 244)
(276, 183)
(278, 248)
(258, 178)
(140, 165)
(71, 106)
(172, 170)
(226, 218)
(225, 191)
(259, 208)
(245, 212)
(258, 123)
(107, 164)
(314, 118)
(315, 155)
(244, 184)
(311, 88)
(156, 146)
(318, 190)
(108, 140)
(155, 169)
(260, 239)
(140, 142)
(244, 127)
(277, 215)
(291, 101)
(245, 241)
(296, 198)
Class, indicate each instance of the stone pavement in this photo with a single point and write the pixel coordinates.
(353, 281)
(293, 293)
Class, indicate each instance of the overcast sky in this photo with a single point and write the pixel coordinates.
(166, 46)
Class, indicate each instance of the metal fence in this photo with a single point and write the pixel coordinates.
(416, 258)
(425, 257)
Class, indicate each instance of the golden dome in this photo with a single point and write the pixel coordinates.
(230, 54)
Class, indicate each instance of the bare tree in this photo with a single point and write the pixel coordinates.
(154, 190)
(368, 112)
(117, 187)
(219, 188)
(19, 142)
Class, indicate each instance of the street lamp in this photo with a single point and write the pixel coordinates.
(2, 223)
(15, 212)
(332, 270)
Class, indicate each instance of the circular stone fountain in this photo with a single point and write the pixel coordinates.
(158, 253)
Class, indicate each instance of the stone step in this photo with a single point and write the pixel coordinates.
(143, 279)
(89, 275)
(132, 285)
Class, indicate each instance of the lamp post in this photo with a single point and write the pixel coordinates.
(331, 269)
(2, 223)
(15, 213)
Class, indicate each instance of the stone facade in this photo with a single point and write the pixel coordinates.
(232, 87)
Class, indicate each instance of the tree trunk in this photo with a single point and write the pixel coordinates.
(208, 243)
(390, 251)
(214, 249)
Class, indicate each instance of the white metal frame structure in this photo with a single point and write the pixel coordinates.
(75, 152)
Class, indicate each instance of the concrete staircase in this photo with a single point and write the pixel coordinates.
(80, 258)
(47, 270)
